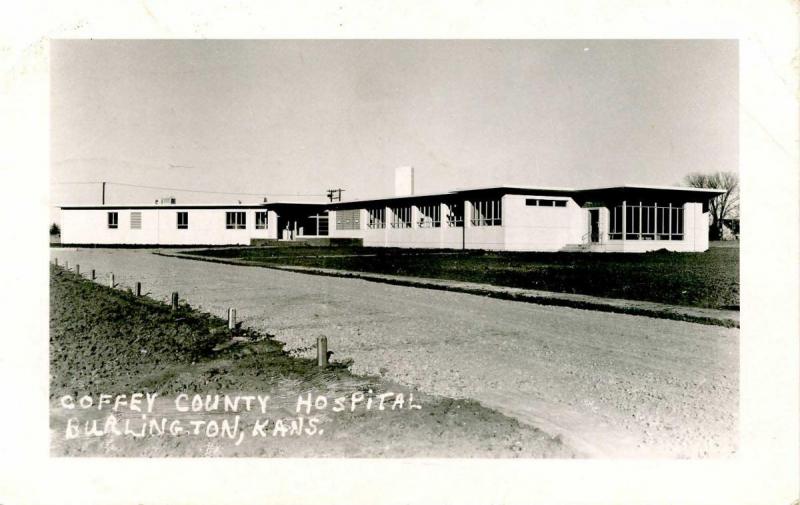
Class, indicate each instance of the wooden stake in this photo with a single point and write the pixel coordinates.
(56, 260)
(231, 319)
(111, 280)
(78, 269)
(322, 351)
(174, 300)
(93, 275)
(138, 289)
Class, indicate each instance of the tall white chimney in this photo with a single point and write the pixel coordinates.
(403, 181)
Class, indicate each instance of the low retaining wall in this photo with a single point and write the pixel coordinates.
(308, 242)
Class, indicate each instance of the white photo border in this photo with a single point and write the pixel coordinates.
(765, 469)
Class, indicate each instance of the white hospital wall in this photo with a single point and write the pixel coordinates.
(534, 228)
(159, 226)
(529, 228)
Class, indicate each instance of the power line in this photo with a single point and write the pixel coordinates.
(186, 190)
(335, 194)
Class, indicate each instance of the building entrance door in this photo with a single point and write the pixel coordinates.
(314, 226)
(594, 225)
(287, 228)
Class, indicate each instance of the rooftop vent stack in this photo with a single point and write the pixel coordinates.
(404, 181)
(168, 200)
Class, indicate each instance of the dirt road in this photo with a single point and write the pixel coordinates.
(610, 385)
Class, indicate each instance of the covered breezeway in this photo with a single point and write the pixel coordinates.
(296, 220)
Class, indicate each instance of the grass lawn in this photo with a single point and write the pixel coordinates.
(709, 279)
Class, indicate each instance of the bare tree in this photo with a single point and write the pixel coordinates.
(726, 205)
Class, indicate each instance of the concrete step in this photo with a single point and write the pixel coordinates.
(576, 248)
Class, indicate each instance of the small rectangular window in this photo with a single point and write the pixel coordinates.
(677, 223)
(183, 220)
(235, 220)
(615, 223)
(401, 217)
(455, 214)
(544, 202)
(487, 213)
(377, 218)
(261, 220)
(113, 220)
(429, 216)
(136, 220)
(648, 221)
(632, 222)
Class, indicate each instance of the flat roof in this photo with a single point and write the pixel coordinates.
(514, 186)
(504, 189)
(272, 205)
(165, 206)
(662, 188)
(532, 190)
(527, 190)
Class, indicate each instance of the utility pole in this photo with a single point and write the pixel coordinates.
(335, 194)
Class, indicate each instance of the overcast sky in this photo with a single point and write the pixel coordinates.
(298, 117)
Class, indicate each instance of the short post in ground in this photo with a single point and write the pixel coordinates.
(66, 265)
(174, 300)
(56, 261)
(138, 289)
(231, 319)
(94, 276)
(322, 351)
(111, 280)
(77, 269)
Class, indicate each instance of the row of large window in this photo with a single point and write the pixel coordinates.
(646, 221)
(236, 220)
(487, 213)
(428, 216)
(401, 217)
(484, 213)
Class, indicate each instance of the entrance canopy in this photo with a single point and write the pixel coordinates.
(300, 219)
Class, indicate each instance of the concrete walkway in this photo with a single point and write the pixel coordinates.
(727, 318)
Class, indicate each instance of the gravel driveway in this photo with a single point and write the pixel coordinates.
(610, 385)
